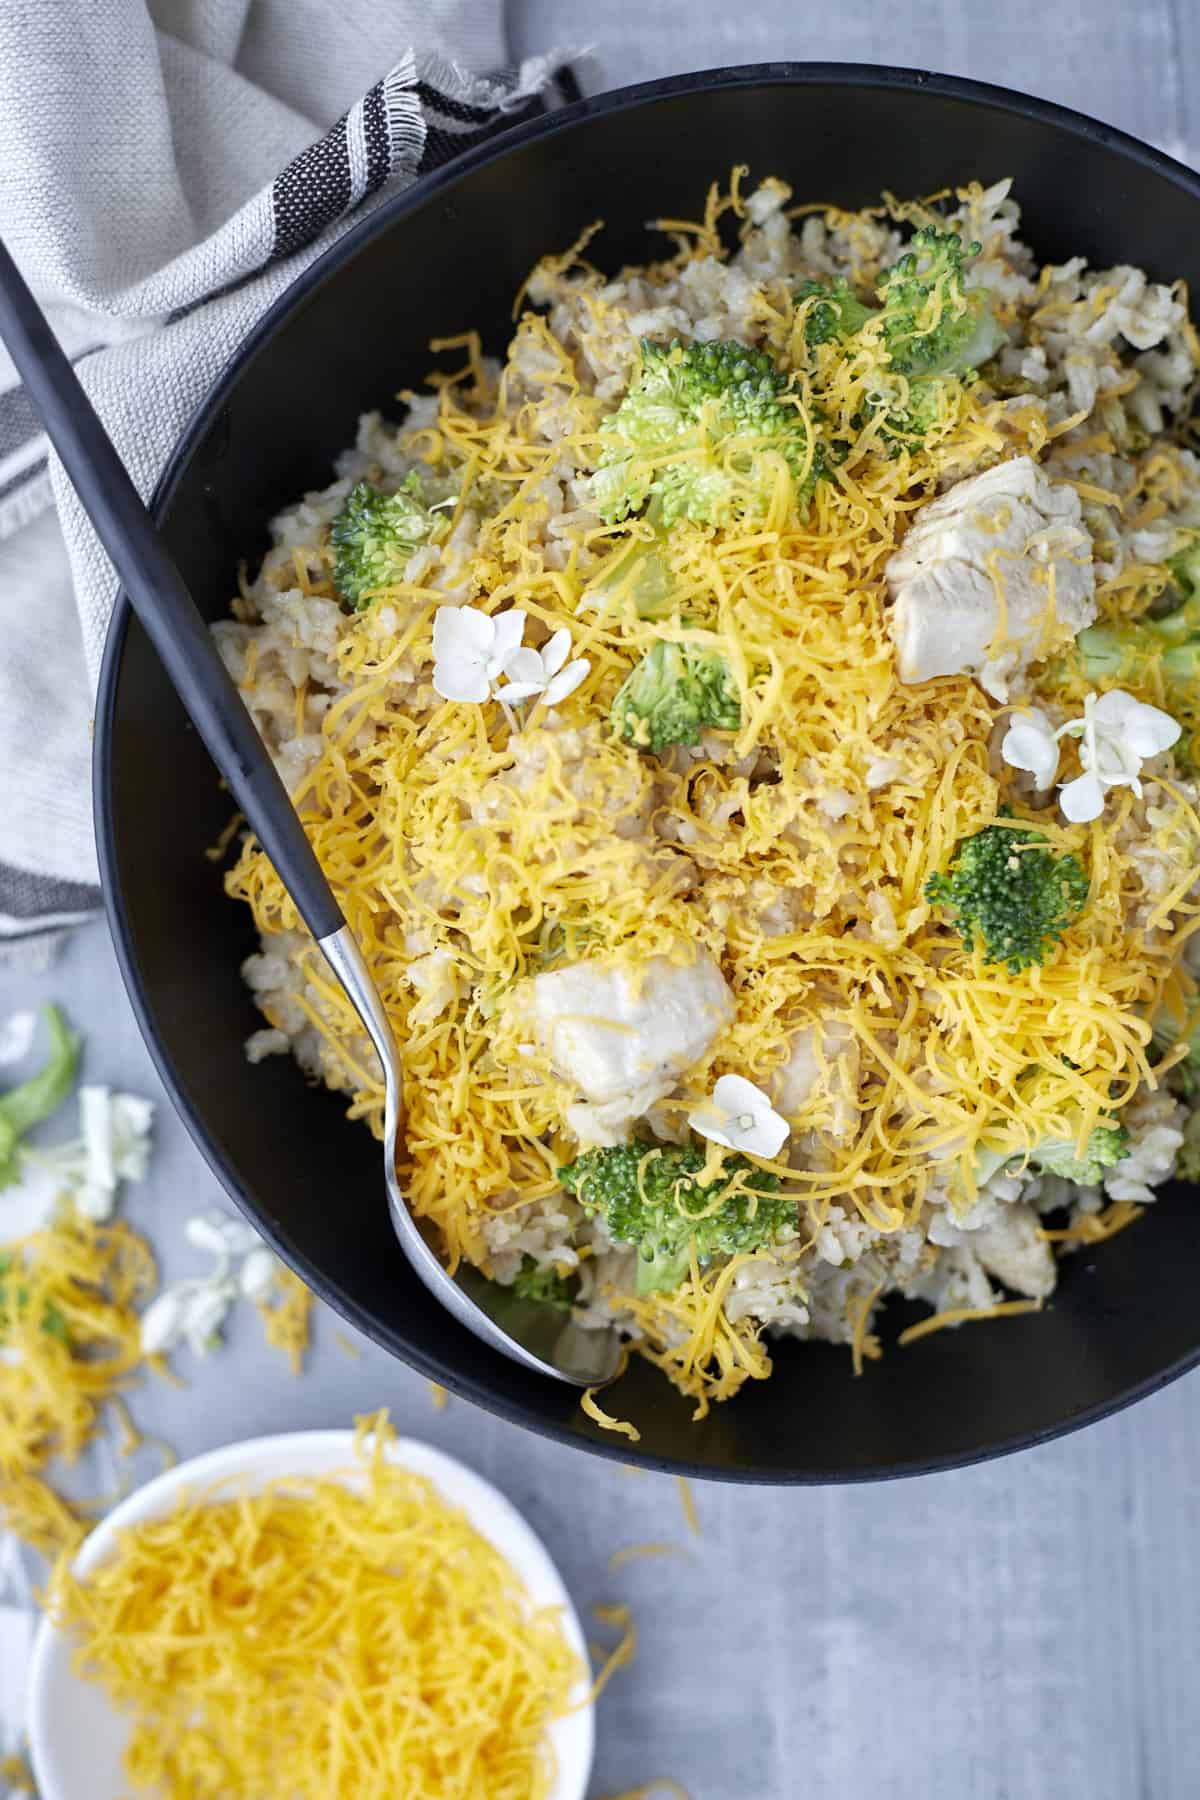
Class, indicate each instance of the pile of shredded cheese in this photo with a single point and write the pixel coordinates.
(339, 1639)
(442, 831)
(72, 1342)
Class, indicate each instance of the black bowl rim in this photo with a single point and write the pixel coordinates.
(617, 100)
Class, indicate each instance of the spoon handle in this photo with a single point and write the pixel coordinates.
(160, 598)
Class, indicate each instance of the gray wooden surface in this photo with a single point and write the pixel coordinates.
(1130, 62)
(1027, 1630)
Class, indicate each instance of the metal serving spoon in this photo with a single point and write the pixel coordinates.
(529, 1332)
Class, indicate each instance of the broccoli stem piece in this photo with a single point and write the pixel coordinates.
(1057, 1156)
(1011, 894)
(650, 1195)
(375, 534)
(673, 694)
(25, 1106)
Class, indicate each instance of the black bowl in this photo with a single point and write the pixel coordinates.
(351, 332)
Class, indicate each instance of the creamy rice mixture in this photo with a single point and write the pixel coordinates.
(585, 915)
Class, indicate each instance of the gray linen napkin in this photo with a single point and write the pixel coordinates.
(166, 171)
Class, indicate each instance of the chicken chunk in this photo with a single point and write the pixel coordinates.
(625, 1033)
(993, 575)
(1010, 1249)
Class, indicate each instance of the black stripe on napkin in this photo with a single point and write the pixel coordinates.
(24, 895)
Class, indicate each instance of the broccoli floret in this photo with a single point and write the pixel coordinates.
(1011, 894)
(546, 1286)
(649, 1195)
(1158, 655)
(26, 1106)
(375, 534)
(933, 324)
(700, 431)
(673, 694)
(1057, 1156)
(837, 313)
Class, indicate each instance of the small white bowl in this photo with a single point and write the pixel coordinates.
(76, 1739)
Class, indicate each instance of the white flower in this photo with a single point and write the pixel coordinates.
(114, 1147)
(1031, 743)
(221, 1234)
(470, 650)
(545, 672)
(740, 1116)
(1117, 735)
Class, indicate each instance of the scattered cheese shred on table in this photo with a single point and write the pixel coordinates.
(328, 1642)
(437, 1395)
(653, 1790)
(689, 1504)
(635, 1552)
(69, 1295)
(286, 1313)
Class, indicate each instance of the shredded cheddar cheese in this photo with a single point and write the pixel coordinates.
(446, 833)
(337, 1638)
(965, 1315)
(688, 1500)
(286, 1313)
(72, 1344)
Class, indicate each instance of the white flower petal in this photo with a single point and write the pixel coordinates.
(1082, 799)
(257, 1273)
(96, 1120)
(1112, 708)
(223, 1234)
(556, 652)
(1148, 731)
(566, 682)
(509, 630)
(205, 1309)
(462, 632)
(1030, 744)
(16, 1036)
(710, 1122)
(95, 1201)
(513, 691)
(524, 666)
(206, 1234)
(132, 1119)
(162, 1322)
(461, 681)
(737, 1095)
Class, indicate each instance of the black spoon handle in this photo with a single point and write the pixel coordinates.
(161, 600)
